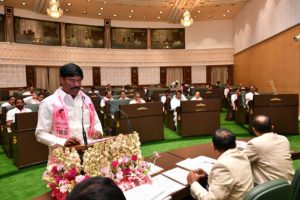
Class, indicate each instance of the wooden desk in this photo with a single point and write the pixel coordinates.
(146, 119)
(196, 118)
(26, 149)
(282, 108)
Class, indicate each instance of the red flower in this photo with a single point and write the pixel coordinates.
(58, 179)
(134, 157)
(54, 170)
(115, 163)
(71, 174)
(126, 171)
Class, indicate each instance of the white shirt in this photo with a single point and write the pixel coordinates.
(136, 102)
(226, 91)
(234, 97)
(249, 96)
(102, 103)
(124, 98)
(196, 99)
(163, 99)
(6, 104)
(10, 115)
(176, 102)
(44, 129)
(31, 100)
(27, 93)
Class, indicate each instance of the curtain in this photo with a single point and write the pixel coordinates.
(219, 73)
(173, 74)
(54, 82)
(42, 80)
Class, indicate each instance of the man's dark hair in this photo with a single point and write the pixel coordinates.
(70, 70)
(262, 124)
(223, 139)
(19, 98)
(96, 188)
(11, 96)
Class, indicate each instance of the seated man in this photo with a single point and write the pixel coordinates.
(269, 153)
(96, 188)
(107, 97)
(230, 177)
(123, 95)
(34, 99)
(29, 92)
(137, 99)
(10, 102)
(163, 98)
(197, 97)
(10, 115)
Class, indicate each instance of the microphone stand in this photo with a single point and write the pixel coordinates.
(83, 130)
(129, 125)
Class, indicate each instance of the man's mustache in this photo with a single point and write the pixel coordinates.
(75, 88)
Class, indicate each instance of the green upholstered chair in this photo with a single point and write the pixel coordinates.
(278, 189)
(296, 185)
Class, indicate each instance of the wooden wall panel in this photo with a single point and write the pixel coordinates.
(96, 76)
(163, 76)
(187, 74)
(134, 76)
(277, 59)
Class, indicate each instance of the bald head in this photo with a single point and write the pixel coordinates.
(262, 124)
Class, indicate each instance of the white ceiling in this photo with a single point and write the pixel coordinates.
(138, 10)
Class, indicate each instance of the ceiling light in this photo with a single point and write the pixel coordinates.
(99, 14)
(228, 11)
(187, 20)
(101, 8)
(158, 17)
(115, 15)
(67, 10)
(161, 12)
(129, 16)
(2, 0)
(224, 15)
(84, 12)
(23, 3)
(54, 9)
(131, 11)
(69, 4)
(209, 16)
(198, 11)
(104, 2)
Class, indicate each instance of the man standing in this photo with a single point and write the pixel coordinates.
(230, 177)
(10, 115)
(269, 153)
(79, 111)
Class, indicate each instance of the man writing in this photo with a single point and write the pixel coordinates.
(269, 153)
(54, 130)
(230, 177)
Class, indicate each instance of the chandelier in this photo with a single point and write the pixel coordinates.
(54, 10)
(187, 20)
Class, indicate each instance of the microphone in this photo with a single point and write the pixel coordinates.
(129, 125)
(83, 130)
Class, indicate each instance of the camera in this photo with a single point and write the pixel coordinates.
(297, 38)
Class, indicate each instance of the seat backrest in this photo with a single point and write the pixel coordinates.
(278, 189)
(296, 185)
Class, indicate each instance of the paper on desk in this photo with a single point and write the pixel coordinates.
(154, 169)
(202, 162)
(161, 188)
(177, 174)
(241, 145)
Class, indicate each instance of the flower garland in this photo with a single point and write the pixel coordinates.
(118, 158)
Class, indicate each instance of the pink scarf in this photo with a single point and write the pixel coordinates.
(60, 116)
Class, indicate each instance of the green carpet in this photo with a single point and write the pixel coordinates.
(27, 183)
